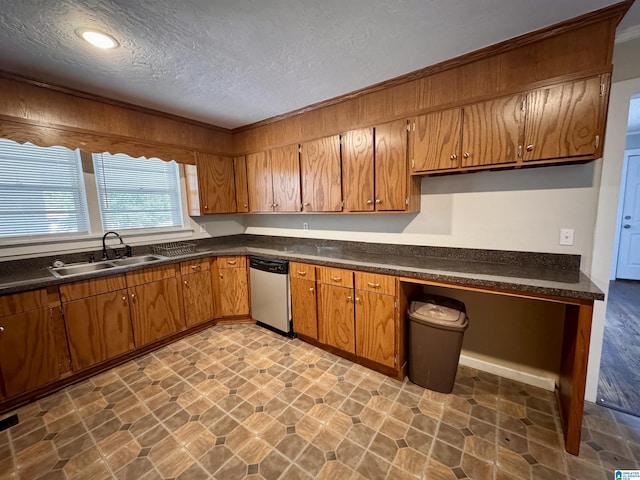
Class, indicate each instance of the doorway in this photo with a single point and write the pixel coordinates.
(619, 369)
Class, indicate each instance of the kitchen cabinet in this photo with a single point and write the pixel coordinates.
(273, 180)
(28, 351)
(242, 194)
(357, 170)
(320, 172)
(197, 291)
(192, 190)
(155, 303)
(216, 183)
(233, 286)
(564, 121)
(304, 305)
(97, 319)
(336, 308)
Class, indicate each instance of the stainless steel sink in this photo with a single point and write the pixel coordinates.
(77, 269)
(81, 268)
(121, 262)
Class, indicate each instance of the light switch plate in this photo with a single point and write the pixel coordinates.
(566, 236)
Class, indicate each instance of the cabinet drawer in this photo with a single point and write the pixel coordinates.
(23, 302)
(89, 288)
(194, 266)
(302, 270)
(149, 275)
(374, 282)
(335, 276)
(232, 262)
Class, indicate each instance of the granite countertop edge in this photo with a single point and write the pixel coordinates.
(582, 289)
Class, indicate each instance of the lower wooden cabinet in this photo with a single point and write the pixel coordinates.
(155, 303)
(197, 292)
(375, 327)
(335, 317)
(233, 286)
(28, 354)
(304, 303)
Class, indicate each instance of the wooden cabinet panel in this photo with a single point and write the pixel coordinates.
(336, 317)
(435, 140)
(232, 262)
(491, 131)
(193, 192)
(88, 288)
(304, 307)
(357, 170)
(302, 271)
(259, 184)
(375, 282)
(22, 302)
(335, 276)
(285, 167)
(242, 194)
(156, 310)
(234, 292)
(153, 274)
(391, 166)
(320, 171)
(98, 328)
(375, 327)
(27, 351)
(563, 121)
(194, 266)
(198, 298)
(216, 183)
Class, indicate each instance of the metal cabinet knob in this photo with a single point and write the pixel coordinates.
(311, 289)
(378, 201)
(348, 298)
(530, 147)
(374, 285)
(206, 207)
(627, 225)
(306, 204)
(369, 202)
(124, 298)
(627, 217)
(466, 155)
(1, 329)
(453, 156)
(185, 282)
(133, 296)
(246, 206)
(221, 276)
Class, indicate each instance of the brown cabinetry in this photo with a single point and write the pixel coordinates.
(197, 292)
(28, 354)
(320, 171)
(304, 305)
(273, 180)
(233, 286)
(155, 303)
(97, 320)
(216, 183)
(242, 194)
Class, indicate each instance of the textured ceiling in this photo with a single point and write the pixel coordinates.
(235, 62)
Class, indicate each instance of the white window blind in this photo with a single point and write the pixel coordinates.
(137, 192)
(41, 191)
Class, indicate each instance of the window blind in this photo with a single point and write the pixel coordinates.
(41, 190)
(137, 192)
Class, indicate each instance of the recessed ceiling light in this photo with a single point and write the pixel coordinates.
(97, 38)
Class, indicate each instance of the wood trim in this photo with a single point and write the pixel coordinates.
(613, 12)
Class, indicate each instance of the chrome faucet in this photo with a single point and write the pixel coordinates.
(105, 253)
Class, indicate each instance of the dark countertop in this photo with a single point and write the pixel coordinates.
(528, 273)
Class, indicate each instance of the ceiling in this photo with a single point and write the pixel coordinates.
(235, 62)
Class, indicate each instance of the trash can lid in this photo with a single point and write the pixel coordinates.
(431, 312)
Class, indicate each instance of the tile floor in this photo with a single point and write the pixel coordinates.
(241, 402)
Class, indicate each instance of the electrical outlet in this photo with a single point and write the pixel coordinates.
(305, 226)
(566, 236)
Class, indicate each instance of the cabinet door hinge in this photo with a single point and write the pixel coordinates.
(408, 127)
(519, 150)
(413, 164)
(395, 359)
(603, 89)
(597, 141)
(395, 304)
(523, 104)
(406, 201)
(341, 204)
(299, 149)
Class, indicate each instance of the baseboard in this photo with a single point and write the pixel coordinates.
(546, 383)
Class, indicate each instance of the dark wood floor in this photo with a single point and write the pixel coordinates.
(619, 383)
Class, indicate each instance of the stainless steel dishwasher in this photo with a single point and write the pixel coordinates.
(270, 296)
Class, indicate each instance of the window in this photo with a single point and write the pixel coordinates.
(41, 191)
(137, 192)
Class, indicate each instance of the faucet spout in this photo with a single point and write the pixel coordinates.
(105, 254)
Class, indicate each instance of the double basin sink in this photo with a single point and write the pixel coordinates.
(82, 268)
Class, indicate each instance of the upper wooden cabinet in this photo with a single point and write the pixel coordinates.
(565, 121)
(242, 194)
(273, 180)
(435, 141)
(320, 171)
(357, 170)
(216, 183)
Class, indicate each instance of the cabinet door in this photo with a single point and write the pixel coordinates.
(98, 328)
(259, 185)
(375, 327)
(198, 300)
(335, 317)
(217, 183)
(391, 166)
(491, 132)
(562, 121)
(357, 170)
(285, 168)
(320, 173)
(155, 310)
(435, 141)
(304, 307)
(193, 192)
(234, 292)
(242, 195)
(27, 351)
